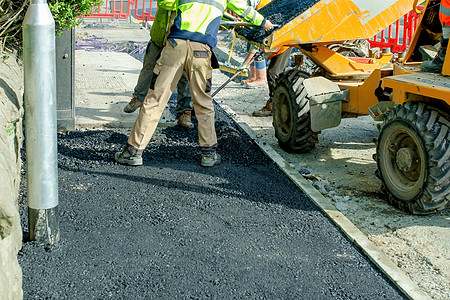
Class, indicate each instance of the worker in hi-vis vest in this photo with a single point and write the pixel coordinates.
(189, 46)
(164, 16)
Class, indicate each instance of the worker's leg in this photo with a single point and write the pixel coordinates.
(251, 74)
(445, 40)
(184, 99)
(145, 76)
(199, 70)
(435, 65)
(276, 67)
(166, 75)
(260, 75)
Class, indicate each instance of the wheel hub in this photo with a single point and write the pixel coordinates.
(406, 159)
(284, 113)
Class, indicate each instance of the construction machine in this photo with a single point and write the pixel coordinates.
(412, 148)
(413, 145)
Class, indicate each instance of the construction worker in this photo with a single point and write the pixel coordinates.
(257, 73)
(435, 65)
(165, 13)
(192, 37)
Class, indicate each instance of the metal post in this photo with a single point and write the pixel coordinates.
(65, 74)
(40, 122)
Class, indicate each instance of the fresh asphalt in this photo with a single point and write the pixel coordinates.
(171, 229)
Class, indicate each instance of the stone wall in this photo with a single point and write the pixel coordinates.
(11, 90)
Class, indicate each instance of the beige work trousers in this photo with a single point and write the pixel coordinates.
(195, 59)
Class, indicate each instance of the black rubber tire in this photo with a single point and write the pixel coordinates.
(413, 158)
(291, 113)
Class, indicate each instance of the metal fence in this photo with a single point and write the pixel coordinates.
(397, 36)
(123, 9)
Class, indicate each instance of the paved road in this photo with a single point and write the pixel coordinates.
(171, 229)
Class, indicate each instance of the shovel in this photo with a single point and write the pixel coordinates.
(233, 77)
(242, 24)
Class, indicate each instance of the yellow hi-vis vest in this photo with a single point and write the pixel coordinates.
(199, 20)
(159, 28)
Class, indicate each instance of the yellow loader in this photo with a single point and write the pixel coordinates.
(413, 154)
(413, 145)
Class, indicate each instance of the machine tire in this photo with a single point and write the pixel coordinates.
(413, 158)
(291, 113)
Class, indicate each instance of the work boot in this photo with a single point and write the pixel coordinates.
(210, 158)
(265, 111)
(127, 158)
(184, 120)
(435, 65)
(133, 105)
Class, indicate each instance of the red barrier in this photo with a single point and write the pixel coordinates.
(121, 9)
(147, 9)
(390, 37)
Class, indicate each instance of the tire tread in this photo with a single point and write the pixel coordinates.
(436, 139)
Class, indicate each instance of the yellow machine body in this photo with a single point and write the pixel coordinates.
(408, 82)
(334, 21)
(418, 86)
(331, 21)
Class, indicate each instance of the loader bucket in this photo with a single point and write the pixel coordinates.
(323, 21)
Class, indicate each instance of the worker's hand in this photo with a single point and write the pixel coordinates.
(268, 25)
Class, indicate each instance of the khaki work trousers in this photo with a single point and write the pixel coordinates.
(195, 59)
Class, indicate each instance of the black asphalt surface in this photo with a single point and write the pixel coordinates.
(171, 229)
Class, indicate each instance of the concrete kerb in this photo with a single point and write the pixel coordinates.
(384, 263)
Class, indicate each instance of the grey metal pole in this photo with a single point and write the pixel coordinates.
(40, 122)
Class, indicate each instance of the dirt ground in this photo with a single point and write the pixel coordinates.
(341, 167)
